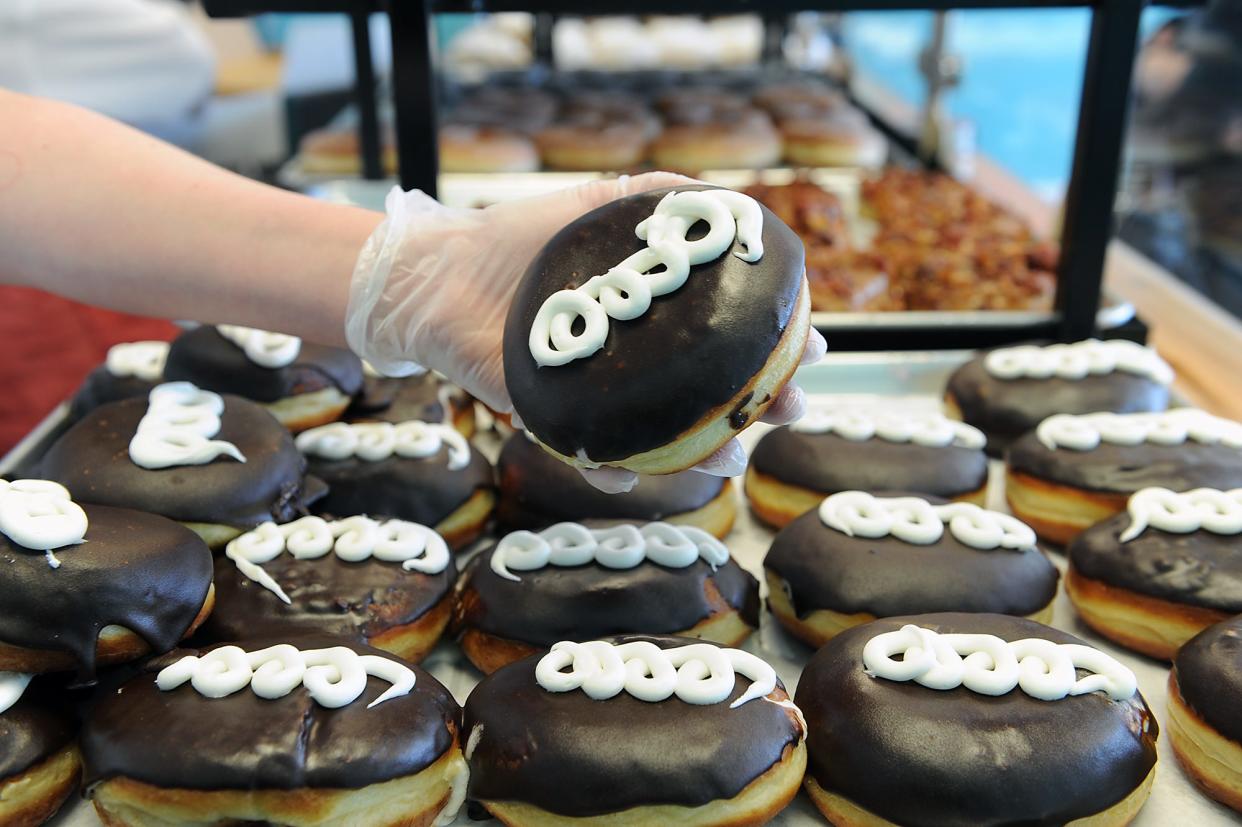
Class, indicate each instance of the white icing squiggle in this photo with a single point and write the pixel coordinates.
(625, 292)
(143, 360)
(1077, 360)
(930, 429)
(618, 547)
(1084, 432)
(991, 666)
(414, 546)
(40, 515)
(177, 428)
(264, 348)
(699, 673)
(1209, 509)
(334, 677)
(12, 685)
(915, 520)
(374, 441)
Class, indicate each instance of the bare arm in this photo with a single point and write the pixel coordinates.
(98, 212)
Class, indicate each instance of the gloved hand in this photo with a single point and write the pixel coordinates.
(433, 284)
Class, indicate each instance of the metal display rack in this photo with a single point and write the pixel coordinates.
(1088, 215)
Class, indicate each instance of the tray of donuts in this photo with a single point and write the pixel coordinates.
(254, 584)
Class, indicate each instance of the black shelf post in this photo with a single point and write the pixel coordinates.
(414, 94)
(364, 97)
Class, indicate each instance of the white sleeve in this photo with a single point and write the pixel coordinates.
(140, 61)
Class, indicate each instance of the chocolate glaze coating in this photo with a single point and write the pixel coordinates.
(694, 349)
(388, 399)
(1209, 676)
(575, 756)
(832, 463)
(827, 569)
(92, 461)
(588, 602)
(101, 387)
(537, 490)
(1005, 409)
(33, 729)
(1124, 469)
(136, 570)
(932, 758)
(420, 490)
(212, 362)
(243, 742)
(329, 595)
(1198, 569)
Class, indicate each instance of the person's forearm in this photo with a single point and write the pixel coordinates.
(101, 213)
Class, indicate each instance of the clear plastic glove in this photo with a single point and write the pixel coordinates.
(433, 284)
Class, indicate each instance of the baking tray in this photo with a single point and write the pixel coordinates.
(898, 382)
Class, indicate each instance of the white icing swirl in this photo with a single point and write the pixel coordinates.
(40, 515)
(177, 429)
(991, 666)
(334, 677)
(12, 685)
(617, 547)
(143, 360)
(1207, 509)
(1078, 360)
(916, 521)
(374, 441)
(1084, 432)
(699, 673)
(414, 546)
(930, 429)
(625, 292)
(264, 348)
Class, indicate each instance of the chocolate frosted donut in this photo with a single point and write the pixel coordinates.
(1205, 719)
(542, 757)
(443, 482)
(822, 580)
(130, 369)
(537, 490)
(886, 751)
(792, 469)
(1157, 576)
(1075, 471)
(343, 590)
(178, 755)
(667, 386)
(424, 397)
(1020, 387)
(504, 614)
(39, 763)
(137, 583)
(311, 385)
(219, 499)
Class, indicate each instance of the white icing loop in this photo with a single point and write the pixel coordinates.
(12, 685)
(915, 520)
(265, 349)
(334, 677)
(1078, 360)
(619, 547)
(142, 360)
(1085, 432)
(625, 292)
(1207, 509)
(40, 515)
(177, 428)
(374, 441)
(990, 666)
(930, 429)
(699, 673)
(416, 547)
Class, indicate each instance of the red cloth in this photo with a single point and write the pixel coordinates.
(50, 344)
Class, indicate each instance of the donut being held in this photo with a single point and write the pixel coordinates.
(302, 731)
(630, 388)
(724, 751)
(39, 760)
(130, 369)
(1156, 576)
(1086, 753)
(571, 581)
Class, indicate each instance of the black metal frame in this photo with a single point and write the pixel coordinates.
(1088, 222)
